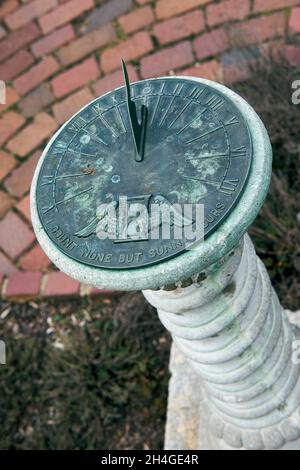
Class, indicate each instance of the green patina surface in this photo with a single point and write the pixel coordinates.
(197, 260)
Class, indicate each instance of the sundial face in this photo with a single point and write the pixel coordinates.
(196, 148)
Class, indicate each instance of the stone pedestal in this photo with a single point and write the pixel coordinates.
(234, 384)
(234, 380)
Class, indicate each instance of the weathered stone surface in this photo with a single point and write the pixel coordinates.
(232, 341)
(185, 395)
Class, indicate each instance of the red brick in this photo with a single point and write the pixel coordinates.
(36, 75)
(37, 100)
(15, 236)
(12, 97)
(66, 108)
(9, 124)
(24, 207)
(258, 29)
(18, 39)
(35, 260)
(179, 28)
(167, 60)
(168, 8)
(75, 77)
(292, 54)
(64, 13)
(210, 70)
(86, 44)
(59, 285)
(29, 12)
(6, 203)
(262, 5)
(6, 266)
(137, 19)
(53, 41)
(134, 48)
(105, 13)
(33, 135)
(18, 183)
(114, 80)
(23, 284)
(15, 65)
(7, 163)
(7, 7)
(294, 21)
(143, 2)
(230, 10)
(210, 44)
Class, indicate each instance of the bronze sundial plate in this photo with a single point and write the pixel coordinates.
(197, 149)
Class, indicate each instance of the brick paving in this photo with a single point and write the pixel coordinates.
(57, 55)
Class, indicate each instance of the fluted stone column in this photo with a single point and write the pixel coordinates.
(234, 384)
(232, 330)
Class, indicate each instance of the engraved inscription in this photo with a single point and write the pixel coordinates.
(229, 186)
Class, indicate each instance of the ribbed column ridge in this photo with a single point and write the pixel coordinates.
(235, 333)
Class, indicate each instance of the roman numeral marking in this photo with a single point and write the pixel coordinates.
(215, 103)
(196, 93)
(78, 124)
(97, 109)
(114, 99)
(239, 152)
(228, 187)
(233, 120)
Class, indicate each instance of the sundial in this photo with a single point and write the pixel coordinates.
(161, 141)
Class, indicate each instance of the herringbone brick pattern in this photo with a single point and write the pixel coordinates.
(57, 55)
